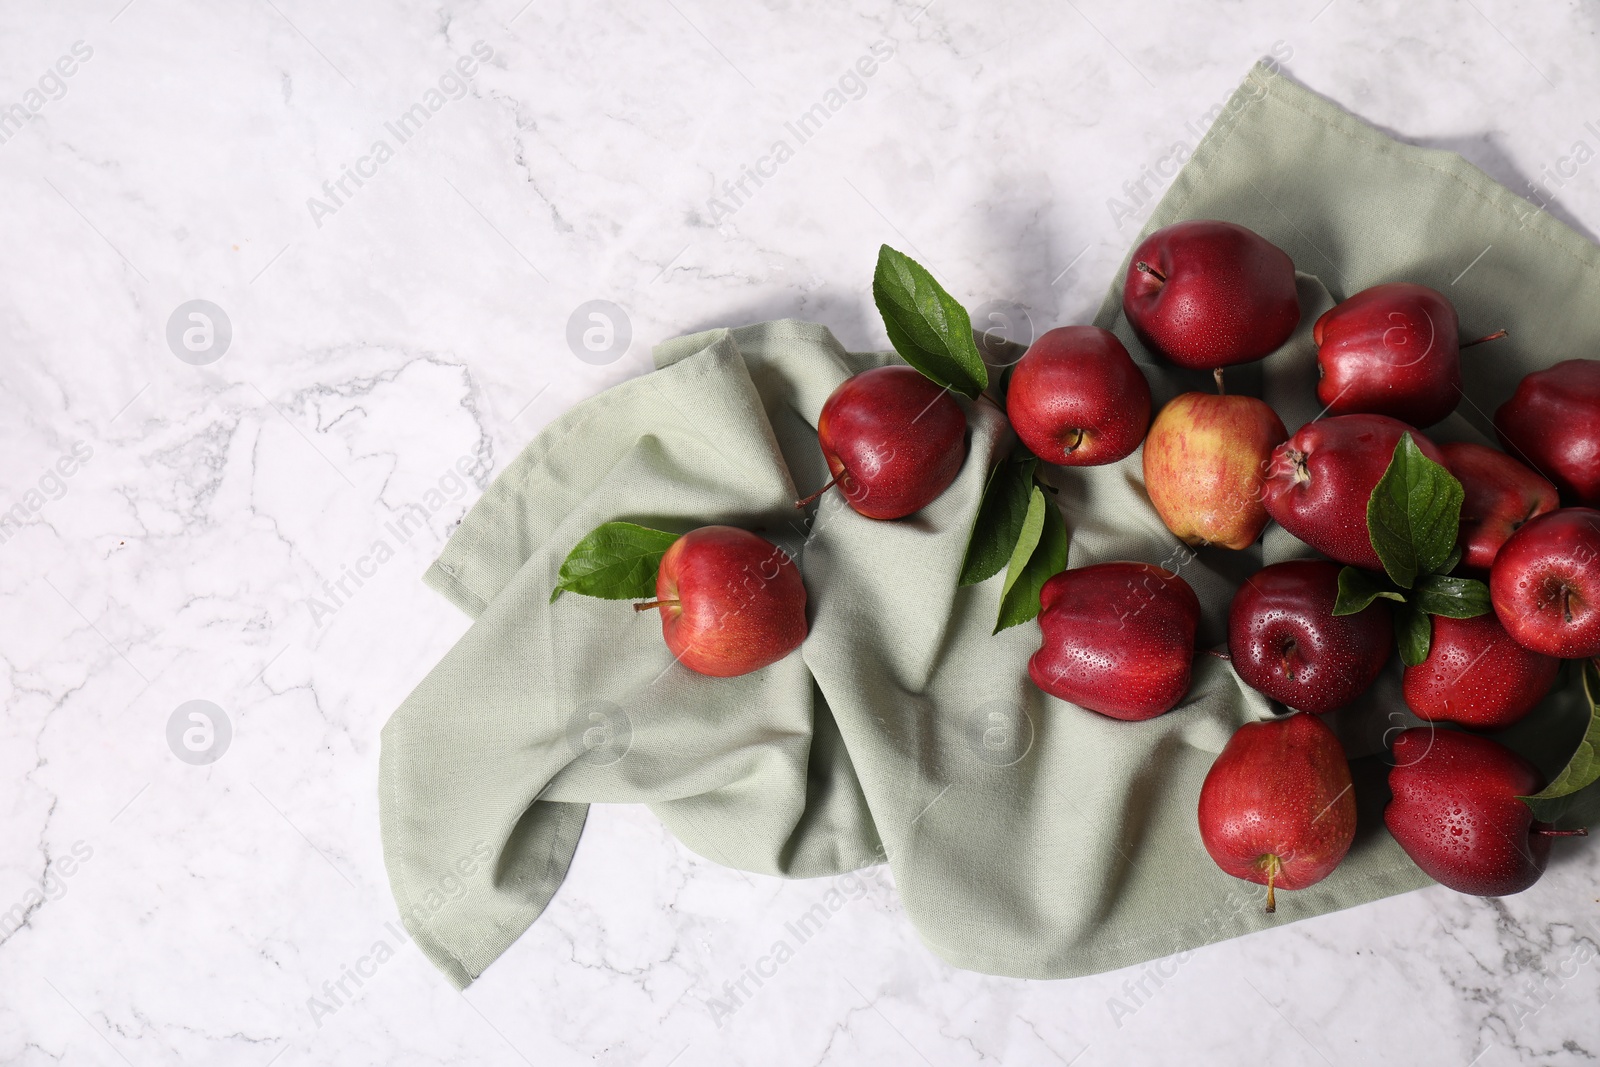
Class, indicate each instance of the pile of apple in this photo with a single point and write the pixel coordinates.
(1461, 555)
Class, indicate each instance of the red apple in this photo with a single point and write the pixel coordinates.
(731, 602)
(1545, 584)
(1285, 641)
(1077, 399)
(1203, 464)
(1501, 495)
(1390, 350)
(1210, 294)
(1118, 639)
(1457, 814)
(1477, 676)
(1553, 422)
(1277, 807)
(893, 439)
(1319, 482)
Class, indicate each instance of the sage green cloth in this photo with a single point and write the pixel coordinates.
(1027, 837)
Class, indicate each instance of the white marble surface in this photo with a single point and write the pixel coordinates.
(180, 913)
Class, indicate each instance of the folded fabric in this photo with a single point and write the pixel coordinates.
(1027, 837)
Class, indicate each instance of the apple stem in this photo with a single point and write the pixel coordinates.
(653, 604)
(813, 497)
(1487, 337)
(1073, 443)
(1216, 376)
(1581, 831)
(1272, 877)
(1223, 655)
(1148, 269)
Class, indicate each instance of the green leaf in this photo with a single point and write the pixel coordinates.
(614, 561)
(1357, 589)
(1414, 628)
(1572, 811)
(1458, 598)
(1413, 514)
(1583, 769)
(1045, 534)
(926, 325)
(1027, 538)
(1000, 519)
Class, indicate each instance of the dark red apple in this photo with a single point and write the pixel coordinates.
(1455, 812)
(1477, 676)
(731, 602)
(1277, 807)
(1545, 584)
(893, 439)
(1320, 479)
(1208, 294)
(1552, 421)
(1501, 495)
(1285, 640)
(1118, 639)
(1390, 350)
(1077, 399)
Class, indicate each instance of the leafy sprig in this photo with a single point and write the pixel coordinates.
(1019, 529)
(1414, 519)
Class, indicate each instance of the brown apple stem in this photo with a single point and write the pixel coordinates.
(813, 497)
(1487, 337)
(653, 604)
(1582, 831)
(1223, 655)
(1074, 441)
(1272, 878)
(1148, 269)
(1216, 376)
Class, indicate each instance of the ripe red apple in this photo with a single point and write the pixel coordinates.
(1501, 495)
(731, 602)
(1455, 812)
(1545, 584)
(893, 439)
(1210, 294)
(1553, 422)
(1320, 479)
(1278, 806)
(1204, 460)
(1477, 676)
(1077, 399)
(1118, 639)
(1390, 350)
(1285, 641)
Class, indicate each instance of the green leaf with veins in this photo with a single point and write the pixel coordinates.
(1414, 629)
(614, 561)
(1413, 514)
(1040, 554)
(926, 325)
(1357, 589)
(1458, 598)
(1000, 519)
(1583, 768)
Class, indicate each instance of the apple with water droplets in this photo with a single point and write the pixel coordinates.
(1457, 812)
(1208, 294)
(1319, 481)
(1278, 806)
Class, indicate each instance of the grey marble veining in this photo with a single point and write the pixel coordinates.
(398, 209)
